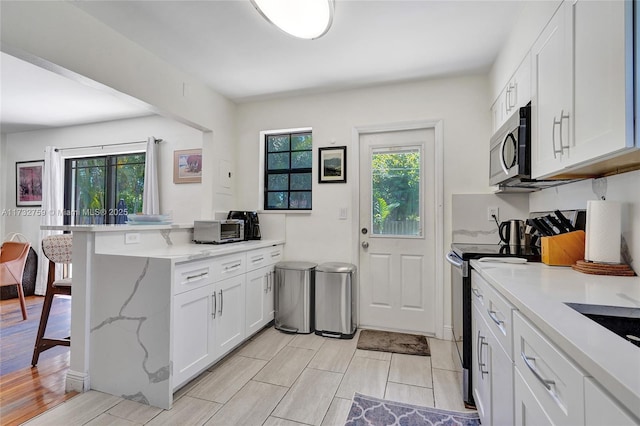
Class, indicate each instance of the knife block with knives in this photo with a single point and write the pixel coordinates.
(564, 249)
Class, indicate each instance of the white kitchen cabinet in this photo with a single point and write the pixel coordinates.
(601, 409)
(582, 102)
(257, 292)
(260, 289)
(193, 333)
(516, 94)
(493, 370)
(552, 94)
(230, 314)
(528, 410)
(555, 381)
(602, 80)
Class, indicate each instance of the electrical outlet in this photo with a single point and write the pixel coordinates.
(132, 238)
(493, 211)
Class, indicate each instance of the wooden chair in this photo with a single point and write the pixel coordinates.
(13, 257)
(57, 248)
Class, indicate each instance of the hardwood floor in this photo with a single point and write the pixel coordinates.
(25, 391)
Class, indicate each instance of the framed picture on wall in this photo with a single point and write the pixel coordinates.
(29, 183)
(332, 165)
(187, 166)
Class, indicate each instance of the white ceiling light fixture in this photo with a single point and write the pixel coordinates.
(308, 19)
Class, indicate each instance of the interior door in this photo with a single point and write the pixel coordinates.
(397, 230)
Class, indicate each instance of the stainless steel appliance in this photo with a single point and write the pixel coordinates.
(336, 300)
(510, 156)
(459, 257)
(512, 232)
(218, 231)
(294, 293)
(251, 223)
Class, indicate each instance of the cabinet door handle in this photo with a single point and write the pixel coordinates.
(258, 259)
(266, 284)
(483, 364)
(197, 276)
(553, 138)
(234, 266)
(275, 254)
(221, 303)
(545, 382)
(477, 293)
(492, 315)
(215, 305)
(563, 116)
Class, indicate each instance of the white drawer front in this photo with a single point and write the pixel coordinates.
(497, 311)
(190, 275)
(267, 256)
(556, 382)
(229, 266)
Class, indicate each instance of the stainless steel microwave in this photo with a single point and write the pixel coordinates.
(218, 231)
(510, 154)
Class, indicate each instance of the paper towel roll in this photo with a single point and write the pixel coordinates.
(603, 230)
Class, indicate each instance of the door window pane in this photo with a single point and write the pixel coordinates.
(395, 195)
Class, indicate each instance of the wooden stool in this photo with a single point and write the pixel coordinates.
(57, 248)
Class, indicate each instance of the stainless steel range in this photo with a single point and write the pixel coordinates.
(459, 257)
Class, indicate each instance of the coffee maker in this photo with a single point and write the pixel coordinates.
(251, 223)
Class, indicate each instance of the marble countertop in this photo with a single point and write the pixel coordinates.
(115, 228)
(186, 252)
(540, 292)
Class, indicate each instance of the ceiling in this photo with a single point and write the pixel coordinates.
(230, 47)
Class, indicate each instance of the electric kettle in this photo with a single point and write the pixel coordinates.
(512, 232)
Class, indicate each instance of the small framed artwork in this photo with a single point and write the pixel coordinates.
(187, 166)
(29, 183)
(332, 165)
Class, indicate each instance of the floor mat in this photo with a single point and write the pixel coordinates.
(370, 411)
(387, 341)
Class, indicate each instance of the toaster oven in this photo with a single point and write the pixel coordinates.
(218, 231)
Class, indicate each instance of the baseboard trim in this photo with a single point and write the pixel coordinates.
(78, 382)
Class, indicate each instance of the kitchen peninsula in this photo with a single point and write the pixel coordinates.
(148, 306)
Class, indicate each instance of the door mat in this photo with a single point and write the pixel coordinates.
(387, 341)
(370, 411)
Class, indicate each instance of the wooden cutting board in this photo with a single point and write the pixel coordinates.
(594, 268)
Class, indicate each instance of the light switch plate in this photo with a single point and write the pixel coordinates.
(342, 214)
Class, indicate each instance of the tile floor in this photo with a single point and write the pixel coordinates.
(279, 379)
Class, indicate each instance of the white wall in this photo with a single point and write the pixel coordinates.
(623, 187)
(463, 105)
(3, 183)
(184, 201)
(62, 38)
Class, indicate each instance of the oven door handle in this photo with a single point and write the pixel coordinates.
(453, 259)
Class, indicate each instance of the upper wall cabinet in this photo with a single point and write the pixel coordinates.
(516, 94)
(582, 103)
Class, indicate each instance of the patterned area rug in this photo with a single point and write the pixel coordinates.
(370, 411)
(387, 341)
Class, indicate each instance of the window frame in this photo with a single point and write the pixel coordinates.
(264, 171)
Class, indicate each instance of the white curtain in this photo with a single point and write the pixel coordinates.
(52, 206)
(150, 193)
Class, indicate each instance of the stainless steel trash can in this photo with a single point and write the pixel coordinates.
(336, 304)
(294, 297)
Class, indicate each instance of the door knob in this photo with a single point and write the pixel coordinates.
(365, 244)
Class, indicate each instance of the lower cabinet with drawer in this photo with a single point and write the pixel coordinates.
(217, 304)
(548, 384)
(492, 362)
